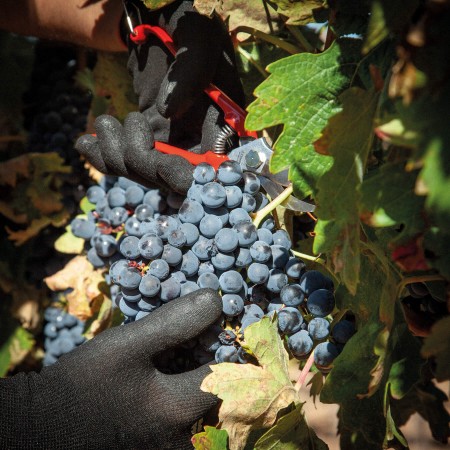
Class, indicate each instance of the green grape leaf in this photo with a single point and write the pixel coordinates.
(387, 16)
(347, 138)
(350, 376)
(437, 345)
(301, 94)
(291, 432)
(68, 243)
(388, 199)
(210, 439)
(156, 4)
(113, 80)
(86, 206)
(252, 395)
(299, 12)
(16, 342)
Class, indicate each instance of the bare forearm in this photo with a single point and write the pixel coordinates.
(89, 23)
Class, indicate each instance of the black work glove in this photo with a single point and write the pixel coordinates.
(107, 394)
(171, 99)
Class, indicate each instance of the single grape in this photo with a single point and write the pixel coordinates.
(243, 257)
(82, 228)
(239, 215)
(115, 269)
(191, 232)
(210, 225)
(191, 211)
(189, 264)
(144, 212)
(232, 305)
(177, 238)
(252, 310)
(289, 320)
(179, 276)
(132, 227)
(292, 295)
(265, 235)
(204, 173)
(213, 195)
(116, 197)
(276, 281)
(134, 196)
(149, 285)
(343, 331)
(150, 246)
(118, 216)
(260, 251)
(226, 353)
(246, 233)
(248, 202)
(94, 259)
(154, 199)
(170, 289)
(149, 304)
(95, 193)
(300, 343)
(195, 193)
(229, 172)
(231, 282)
(280, 257)
(159, 268)
(129, 309)
(258, 273)
(234, 196)
(320, 303)
(223, 261)
(164, 226)
(205, 267)
(319, 328)
(208, 280)
(227, 337)
(251, 183)
(187, 287)
(129, 277)
(226, 240)
(295, 267)
(324, 355)
(129, 247)
(105, 245)
(281, 237)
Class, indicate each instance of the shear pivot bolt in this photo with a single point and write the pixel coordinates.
(252, 159)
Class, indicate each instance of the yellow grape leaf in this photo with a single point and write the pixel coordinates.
(13, 169)
(78, 274)
(101, 320)
(112, 79)
(68, 243)
(207, 7)
(253, 395)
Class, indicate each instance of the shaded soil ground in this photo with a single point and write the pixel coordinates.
(324, 421)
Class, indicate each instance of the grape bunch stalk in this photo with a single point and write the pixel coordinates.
(159, 249)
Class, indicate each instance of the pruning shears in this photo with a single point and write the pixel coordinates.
(253, 154)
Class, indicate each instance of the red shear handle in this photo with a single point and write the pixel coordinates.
(213, 159)
(234, 115)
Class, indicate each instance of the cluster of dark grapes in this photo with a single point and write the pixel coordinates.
(208, 240)
(56, 108)
(63, 332)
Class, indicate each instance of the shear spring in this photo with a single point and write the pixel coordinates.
(225, 139)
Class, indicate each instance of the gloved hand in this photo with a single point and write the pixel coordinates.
(107, 394)
(171, 99)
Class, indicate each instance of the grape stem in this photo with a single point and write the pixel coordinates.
(277, 201)
(315, 259)
(304, 372)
